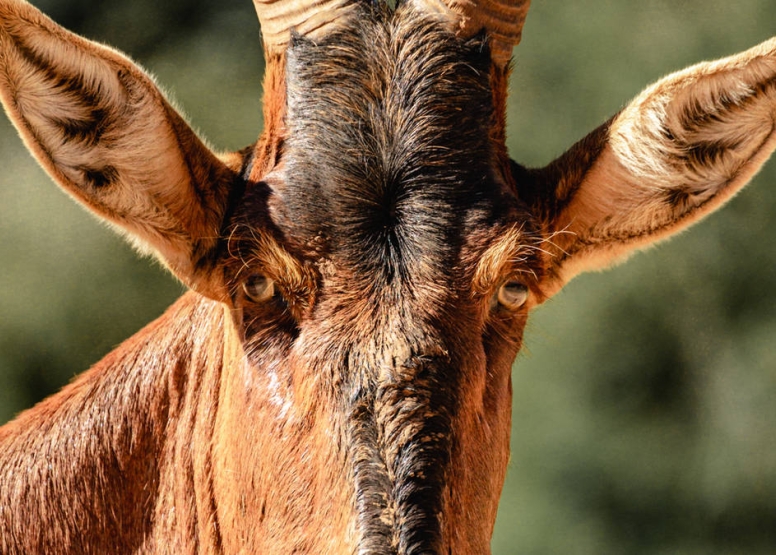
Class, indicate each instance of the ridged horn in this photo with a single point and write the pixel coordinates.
(310, 18)
(502, 20)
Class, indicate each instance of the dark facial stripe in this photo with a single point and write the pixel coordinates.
(415, 421)
(399, 444)
(388, 159)
(399, 438)
(374, 505)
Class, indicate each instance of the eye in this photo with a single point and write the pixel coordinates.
(512, 295)
(259, 288)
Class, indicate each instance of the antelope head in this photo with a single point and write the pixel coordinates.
(376, 253)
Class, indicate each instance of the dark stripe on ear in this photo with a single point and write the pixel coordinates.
(72, 84)
(679, 197)
(697, 116)
(88, 130)
(704, 153)
(100, 178)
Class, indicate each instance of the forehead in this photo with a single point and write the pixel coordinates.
(388, 162)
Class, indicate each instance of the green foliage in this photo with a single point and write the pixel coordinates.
(645, 398)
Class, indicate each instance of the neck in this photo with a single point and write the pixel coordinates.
(94, 462)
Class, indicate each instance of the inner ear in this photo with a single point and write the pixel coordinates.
(106, 134)
(680, 150)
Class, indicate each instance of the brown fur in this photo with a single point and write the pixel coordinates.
(363, 404)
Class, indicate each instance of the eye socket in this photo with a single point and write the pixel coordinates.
(259, 288)
(512, 295)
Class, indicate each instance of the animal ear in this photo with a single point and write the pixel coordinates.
(677, 152)
(106, 134)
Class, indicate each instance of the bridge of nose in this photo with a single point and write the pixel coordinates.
(399, 432)
(396, 389)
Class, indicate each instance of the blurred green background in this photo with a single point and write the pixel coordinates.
(645, 398)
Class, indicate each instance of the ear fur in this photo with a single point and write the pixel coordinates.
(680, 150)
(106, 134)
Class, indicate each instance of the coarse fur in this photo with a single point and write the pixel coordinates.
(338, 379)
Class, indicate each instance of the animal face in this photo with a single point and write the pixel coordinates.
(372, 258)
(397, 271)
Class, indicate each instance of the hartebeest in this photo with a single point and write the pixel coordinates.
(338, 379)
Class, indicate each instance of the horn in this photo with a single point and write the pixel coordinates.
(311, 18)
(502, 20)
